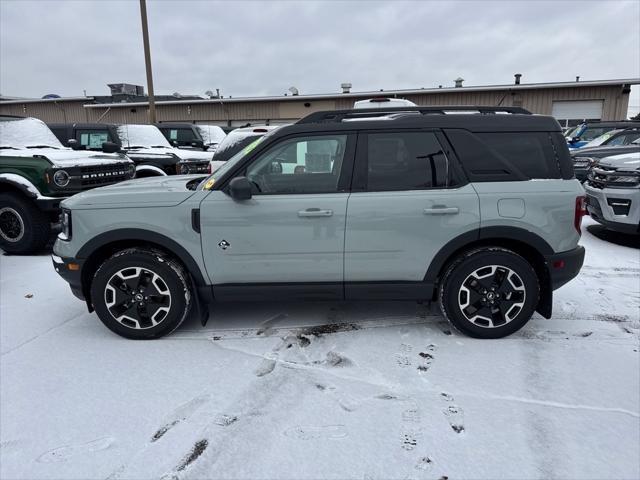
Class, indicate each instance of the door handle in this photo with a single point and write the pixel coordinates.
(315, 212)
(441, 210)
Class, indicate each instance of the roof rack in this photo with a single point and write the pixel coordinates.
(335, 116)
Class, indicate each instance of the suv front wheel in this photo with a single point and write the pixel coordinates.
(23, 228)
(141, 293)
(490, 292)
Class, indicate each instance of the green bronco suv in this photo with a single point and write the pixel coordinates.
(37, 173)
(478, 210)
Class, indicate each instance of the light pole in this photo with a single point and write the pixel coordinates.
(147, 60)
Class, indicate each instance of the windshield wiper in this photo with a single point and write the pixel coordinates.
(159, 146)
(3, 147)
(41, 146)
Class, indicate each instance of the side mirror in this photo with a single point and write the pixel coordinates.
(198, 144)
(240, 188)
(73, 143)
(110, 147)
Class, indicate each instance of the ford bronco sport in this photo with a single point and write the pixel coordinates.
(37, 173)
(478, 210)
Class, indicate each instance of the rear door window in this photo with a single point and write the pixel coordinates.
(405, 161)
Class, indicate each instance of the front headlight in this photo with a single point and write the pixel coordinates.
(624, 180)
(65, 224)
(583, 161)
(61, 178)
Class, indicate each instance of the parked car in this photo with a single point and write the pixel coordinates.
(585, 158)
(383, 102)
(191, 136)
(36, 173)
(618, 137)
(613, 192)
(585, 132)
(144, 144)
(235, 141)
(429, 206)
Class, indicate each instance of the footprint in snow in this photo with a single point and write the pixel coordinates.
(66, 452)
(453, 413)
(180, 414)
(312, 433)
(265, 368)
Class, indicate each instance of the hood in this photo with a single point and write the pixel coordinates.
(143, 192)
(604, 151)
(66, 157)
(201, 156)
(626, 162)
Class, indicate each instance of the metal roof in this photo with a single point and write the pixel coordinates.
(329, 96)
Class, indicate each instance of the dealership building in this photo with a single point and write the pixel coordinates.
(569, 102)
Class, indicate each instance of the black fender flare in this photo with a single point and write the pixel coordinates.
(484, 234)
(23, 185)
(137, 234)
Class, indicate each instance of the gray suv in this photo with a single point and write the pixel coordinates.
(613, 192)
(408, 203)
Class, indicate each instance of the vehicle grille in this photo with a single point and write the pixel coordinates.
(97, 175)
(598, 176)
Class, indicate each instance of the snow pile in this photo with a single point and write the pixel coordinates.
(27, 132)
(379, 390)
(141, 136)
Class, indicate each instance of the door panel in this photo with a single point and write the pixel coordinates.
(274, 238)
(393, 236)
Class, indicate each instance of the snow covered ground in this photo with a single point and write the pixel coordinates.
(358, 391)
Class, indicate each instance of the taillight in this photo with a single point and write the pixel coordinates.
(579, 213)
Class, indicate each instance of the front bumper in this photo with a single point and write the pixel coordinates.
(564, 266)
(608, 206)
(70, 269)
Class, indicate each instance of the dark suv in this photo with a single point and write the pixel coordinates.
(399, 203)
(144, 144)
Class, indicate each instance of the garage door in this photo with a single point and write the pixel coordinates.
(578, 110)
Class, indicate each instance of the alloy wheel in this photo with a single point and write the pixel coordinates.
(11, 225)
(492, 296)
(137, 297)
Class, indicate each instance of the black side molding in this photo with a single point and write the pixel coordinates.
(195, 219)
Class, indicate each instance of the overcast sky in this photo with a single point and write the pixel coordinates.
(257, 48)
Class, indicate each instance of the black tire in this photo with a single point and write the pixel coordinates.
(469, 310)
(158, 315)
(23, 227)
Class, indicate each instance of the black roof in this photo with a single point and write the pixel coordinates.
(473, 118)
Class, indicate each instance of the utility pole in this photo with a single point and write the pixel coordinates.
(147, 60)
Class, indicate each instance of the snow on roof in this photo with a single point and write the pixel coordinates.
(141, 136)
(211, 133)
(27, 132)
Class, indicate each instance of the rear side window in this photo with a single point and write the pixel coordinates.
(511, 156)
(532, 152)
(405, 161)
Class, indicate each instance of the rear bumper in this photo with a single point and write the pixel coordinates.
(72, 277)
(564, 267)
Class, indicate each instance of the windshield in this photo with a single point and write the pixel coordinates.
(592, 132)
(211, 134)
(596, 142)
(27, 133)
(141, 136)
(210, 181)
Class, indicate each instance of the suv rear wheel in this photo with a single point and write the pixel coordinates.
(490, 292)
(141, 293)
(23, 228)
